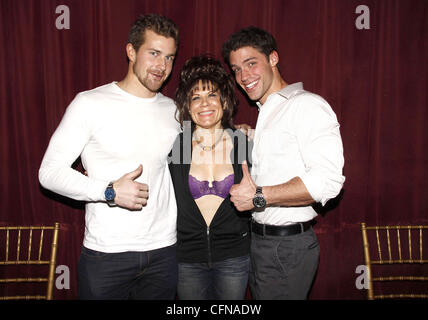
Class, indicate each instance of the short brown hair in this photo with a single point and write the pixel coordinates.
(158, 24)
(257, 38)
(207, 70)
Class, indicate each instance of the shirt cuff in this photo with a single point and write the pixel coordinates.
(97, 189)
(315, 187)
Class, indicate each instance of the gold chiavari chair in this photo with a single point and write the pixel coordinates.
(394, 245)
(29, 246)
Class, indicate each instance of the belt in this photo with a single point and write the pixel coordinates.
(288, 230)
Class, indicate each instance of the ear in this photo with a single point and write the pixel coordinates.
(273, 58)
(130, 52)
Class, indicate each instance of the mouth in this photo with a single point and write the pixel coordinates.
(251, 85)
(206, 113)
(157, 76)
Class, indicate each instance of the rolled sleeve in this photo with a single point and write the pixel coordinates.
(321, 148)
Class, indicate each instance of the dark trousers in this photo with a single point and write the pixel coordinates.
(149, 275)
(220, 280)
(283, 268)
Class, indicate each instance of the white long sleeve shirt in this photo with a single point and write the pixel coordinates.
(297, 135)
(114, 132)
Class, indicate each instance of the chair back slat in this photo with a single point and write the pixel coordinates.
(378, 244)
(410, 244)
(29, 244)
(7, 245)
(399, 245)
(41, 245)
(389, 244)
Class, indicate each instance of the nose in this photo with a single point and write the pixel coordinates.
(244, 75)
(204, 101)
(161, 63)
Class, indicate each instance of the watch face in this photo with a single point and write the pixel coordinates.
(109, 194)
(259, 201)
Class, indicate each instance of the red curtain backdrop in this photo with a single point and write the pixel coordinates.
(375, 80)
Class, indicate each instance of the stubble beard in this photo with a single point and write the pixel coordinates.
(145, 81)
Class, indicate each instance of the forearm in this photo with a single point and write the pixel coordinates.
(70, 183)
(290, 194)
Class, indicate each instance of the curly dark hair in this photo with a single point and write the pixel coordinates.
(252, 36)
(210, 72)
(158, 24)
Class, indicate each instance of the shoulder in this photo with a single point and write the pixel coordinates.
(235, 134)
(165, 101)
(90, 98)
(85, 101)
(239, 138)
(311, 104)
(96, 93)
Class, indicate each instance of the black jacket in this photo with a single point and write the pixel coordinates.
(228, 235)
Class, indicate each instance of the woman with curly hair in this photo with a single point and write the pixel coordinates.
(212, 236)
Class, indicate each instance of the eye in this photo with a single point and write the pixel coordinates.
(154, 53)
(170, 58)
(213, 94)
(194, 98)
(235, 70)
(251, 64)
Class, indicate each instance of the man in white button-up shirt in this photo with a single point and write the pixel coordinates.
(297, 161)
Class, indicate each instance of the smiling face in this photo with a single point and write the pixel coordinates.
(205, 106)
(152, 64)
(256, 74)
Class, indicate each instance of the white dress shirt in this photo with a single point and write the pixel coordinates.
(114, 132)
(297, 135)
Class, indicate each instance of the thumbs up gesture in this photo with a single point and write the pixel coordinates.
(242, 194)
(130, 194)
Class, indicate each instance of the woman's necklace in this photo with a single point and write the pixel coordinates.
(208, 147)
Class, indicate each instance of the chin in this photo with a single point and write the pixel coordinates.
(254, 96)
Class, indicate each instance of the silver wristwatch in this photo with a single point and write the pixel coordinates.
(259, 200)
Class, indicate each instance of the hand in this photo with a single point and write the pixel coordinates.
(242, 194)
(130, 194)
(246, 129)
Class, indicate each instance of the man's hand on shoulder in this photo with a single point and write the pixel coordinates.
(246, 129)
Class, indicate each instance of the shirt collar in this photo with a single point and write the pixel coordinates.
(286, 92)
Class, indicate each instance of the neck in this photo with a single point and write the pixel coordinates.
(278, 84)
(208, 138)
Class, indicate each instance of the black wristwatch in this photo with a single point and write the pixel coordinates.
(110, 194)
(259, 200)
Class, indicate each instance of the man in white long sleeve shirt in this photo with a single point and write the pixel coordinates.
(123, 127)
(297, 160)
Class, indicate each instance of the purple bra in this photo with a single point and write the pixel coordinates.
(202, 188)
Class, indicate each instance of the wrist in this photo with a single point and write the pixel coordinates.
(259, 200)
(110, 194)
